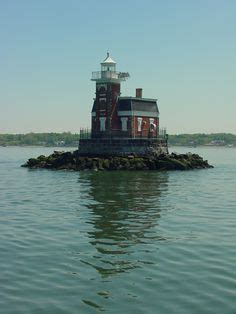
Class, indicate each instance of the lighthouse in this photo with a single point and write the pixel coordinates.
(121, 125)
(104, 115)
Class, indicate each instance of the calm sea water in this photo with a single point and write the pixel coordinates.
(118, 242)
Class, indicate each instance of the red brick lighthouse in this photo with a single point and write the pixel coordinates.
(105, 121)
(121, 125)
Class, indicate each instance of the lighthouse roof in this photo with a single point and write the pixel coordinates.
(138, 106)
(108, 60)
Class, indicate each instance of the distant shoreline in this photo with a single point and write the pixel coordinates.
(76, 147)
(67, 139)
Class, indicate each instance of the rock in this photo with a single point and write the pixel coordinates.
(106, 164)
(32, 162)
(73, 161)
(42, 158)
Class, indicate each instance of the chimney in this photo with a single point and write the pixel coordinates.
(139, 92)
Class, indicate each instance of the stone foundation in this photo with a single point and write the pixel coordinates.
(122, 147)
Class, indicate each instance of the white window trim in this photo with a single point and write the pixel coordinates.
(140, 120)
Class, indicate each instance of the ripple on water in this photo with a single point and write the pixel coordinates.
(137, 242)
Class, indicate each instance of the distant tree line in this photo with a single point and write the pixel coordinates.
(40, 139)
(70, 139)
(217, 139)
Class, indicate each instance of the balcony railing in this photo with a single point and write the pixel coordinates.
(85, 133)
(109, 75)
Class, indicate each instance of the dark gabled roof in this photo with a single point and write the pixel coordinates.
(137, 104)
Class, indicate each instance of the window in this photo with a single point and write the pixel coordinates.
(102, 124)
(124, 121)
(151, 120)
(152, 124)
(140, 124)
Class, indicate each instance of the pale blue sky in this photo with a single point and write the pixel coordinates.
(182, 52)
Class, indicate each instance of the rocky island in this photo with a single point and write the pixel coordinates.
(125, 133)
(74, 161)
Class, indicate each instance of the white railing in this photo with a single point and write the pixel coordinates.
(109, 75)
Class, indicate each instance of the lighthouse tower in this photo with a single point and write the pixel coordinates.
(104, 115)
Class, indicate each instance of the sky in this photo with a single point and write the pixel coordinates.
(182, 52)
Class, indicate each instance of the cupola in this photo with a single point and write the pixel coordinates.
(108, 64)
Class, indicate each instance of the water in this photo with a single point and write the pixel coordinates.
(117, 242)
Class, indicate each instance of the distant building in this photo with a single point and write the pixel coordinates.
(217, 143)
(121, 125)
(59, 143)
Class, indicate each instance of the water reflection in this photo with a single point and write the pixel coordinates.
(125, 209)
